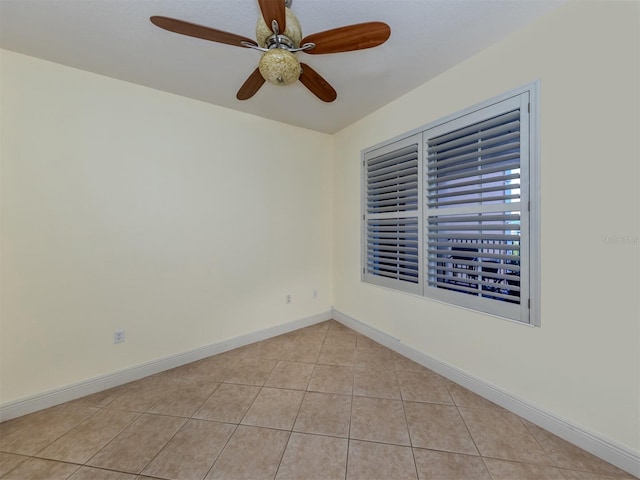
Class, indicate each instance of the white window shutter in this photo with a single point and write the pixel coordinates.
(474, 210)
(451, 210)
(392, 204)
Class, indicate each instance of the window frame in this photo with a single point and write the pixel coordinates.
(528, 98)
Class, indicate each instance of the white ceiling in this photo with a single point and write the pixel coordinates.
(115, 38)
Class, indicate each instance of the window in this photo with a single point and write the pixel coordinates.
(448, 211)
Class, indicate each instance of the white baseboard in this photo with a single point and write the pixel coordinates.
(609, 450)
(56, 396)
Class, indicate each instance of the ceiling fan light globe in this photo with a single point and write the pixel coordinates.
(293, 30)
(279, 66)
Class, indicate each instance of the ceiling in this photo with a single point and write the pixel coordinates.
(115, 38)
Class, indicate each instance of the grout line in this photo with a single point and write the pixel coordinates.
(406, 421)
(346, 466)
(222, 450)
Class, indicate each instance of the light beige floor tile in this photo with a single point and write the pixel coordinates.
(228, 403)
(9, 461)
(30, 437)
(310, 336)
(505, 470)
(324, 414)
(374, 358)
(299, 351)
(375, 461)
(230, 358)
(142, 395)
(565, 455)
(215, 368)
(252, 453)
(183, 371)
(274, 408)
(463, 397)
(99, 399)
(270, 349)
(192, 451)
(379, 420)
(136, 446)
(235, 354)
(332, 379)
(340, 337)
(434, 465)
(9, 427)
(290, 375)
(423, 386)
(313, 457)
(502, 435)
(376, 383)
(580, 475)
(363, 341)
(90, 473)
(289, 337)
(438, 427)
(85, 440)
(334, 325)
(39, 469)
(254, 371)
(184, 397)
(331, 354)
(403, 364)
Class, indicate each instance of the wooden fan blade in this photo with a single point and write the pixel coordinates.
(273, 10)
(198, 31)
(251, 85)
(346, 39)
(316, 84)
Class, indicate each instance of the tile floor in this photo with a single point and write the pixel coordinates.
(323, 402)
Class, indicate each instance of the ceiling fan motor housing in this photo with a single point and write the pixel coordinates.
(293, 32)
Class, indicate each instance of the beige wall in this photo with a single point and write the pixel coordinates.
(124, 207)
(583, 364)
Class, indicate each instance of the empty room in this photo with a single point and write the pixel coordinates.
(266, 239)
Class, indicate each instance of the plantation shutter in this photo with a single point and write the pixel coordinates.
(392, 206)
(474, 210)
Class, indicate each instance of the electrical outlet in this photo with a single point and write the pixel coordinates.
(288, 298)
(118, 336)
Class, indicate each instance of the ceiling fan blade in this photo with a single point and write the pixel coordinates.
(198, 31)
(251, 85)
(274, 10)
(316, 84)
(346, 39)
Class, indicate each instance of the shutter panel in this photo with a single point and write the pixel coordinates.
(473, 211)
(392, 203)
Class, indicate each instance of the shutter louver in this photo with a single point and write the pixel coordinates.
(472, 184)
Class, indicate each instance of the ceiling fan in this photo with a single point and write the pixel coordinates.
(279, 37)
